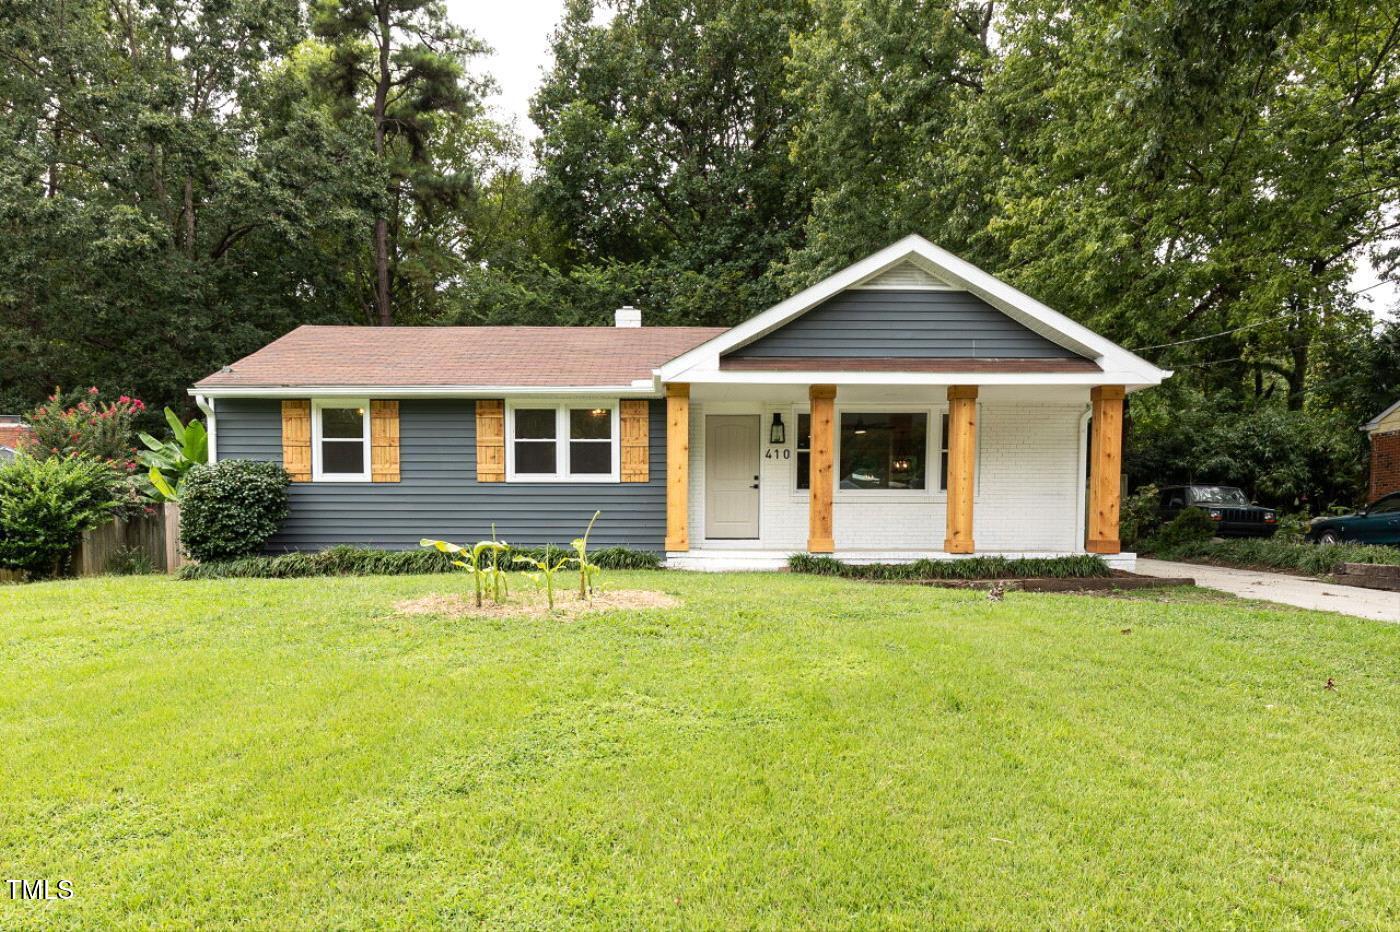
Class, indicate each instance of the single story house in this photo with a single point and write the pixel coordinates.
(1384, 433)
(908, 406)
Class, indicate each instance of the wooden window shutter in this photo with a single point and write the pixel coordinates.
(296, 439)
(384, 441)
(636, 441)
(490, 440)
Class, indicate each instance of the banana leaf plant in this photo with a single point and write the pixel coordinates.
(171, 460)
(470, 559)
(500, 559)
(587, 571)
(545, 569)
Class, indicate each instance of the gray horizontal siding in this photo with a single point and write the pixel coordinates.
(911, 324)
(439, 496)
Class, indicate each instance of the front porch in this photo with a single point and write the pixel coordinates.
(756, 473)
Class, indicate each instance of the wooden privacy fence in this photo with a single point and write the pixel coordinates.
(156, 535)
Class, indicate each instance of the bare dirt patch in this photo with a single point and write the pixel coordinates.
(533, 603)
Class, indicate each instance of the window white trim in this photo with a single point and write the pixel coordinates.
(319, 405)
(932, 456)
(562, 440)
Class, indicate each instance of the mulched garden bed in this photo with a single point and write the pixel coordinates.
(1119, 580)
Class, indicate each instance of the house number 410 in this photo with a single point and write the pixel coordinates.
(772, 454)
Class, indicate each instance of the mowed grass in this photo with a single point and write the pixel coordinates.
(778, 752)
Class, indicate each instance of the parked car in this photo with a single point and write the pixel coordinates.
(1377, 523)
(1231, 510)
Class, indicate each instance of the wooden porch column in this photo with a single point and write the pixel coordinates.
(820, 538)
(1105, 468)
(678, 466)
(962, 462)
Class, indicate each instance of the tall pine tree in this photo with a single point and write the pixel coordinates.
(400, 66)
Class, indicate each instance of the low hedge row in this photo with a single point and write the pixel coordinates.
(1249, 553)
(363, 561)
(1077, 567)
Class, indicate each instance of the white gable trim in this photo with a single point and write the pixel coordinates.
(909, 275)
(1375, 422)
(1022, 308)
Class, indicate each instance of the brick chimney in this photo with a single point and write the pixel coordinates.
(627, 316)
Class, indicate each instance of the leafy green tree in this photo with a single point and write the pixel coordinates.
(886, 90)
(1196, 168)
(664, 143)
(170, 196)
(401, 65)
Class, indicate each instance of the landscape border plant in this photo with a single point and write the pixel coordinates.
(1086, 566)
(347, 560)
(47, 504)
(229, 509)
(1259, 553)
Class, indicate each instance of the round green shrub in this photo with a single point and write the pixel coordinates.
(1191, 526)
(46, 505)
(230, 509)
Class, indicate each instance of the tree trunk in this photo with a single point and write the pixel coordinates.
(1300, 333)
(1297, 377)
(381, 223)
(52, 189)
(189, 216)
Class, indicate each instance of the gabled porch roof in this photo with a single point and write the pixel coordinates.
(1100, 361)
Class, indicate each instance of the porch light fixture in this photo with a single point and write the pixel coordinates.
(777, 433)
(860, 426)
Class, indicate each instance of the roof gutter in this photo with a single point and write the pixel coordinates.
(642, 388)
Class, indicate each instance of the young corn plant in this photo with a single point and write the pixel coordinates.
(545, 569)
(587, 571)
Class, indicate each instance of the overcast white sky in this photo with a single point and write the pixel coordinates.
(518, 31)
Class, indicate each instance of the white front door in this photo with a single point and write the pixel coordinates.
(731, 476)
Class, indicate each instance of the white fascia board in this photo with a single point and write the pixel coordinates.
(1376, 421)
(1027, 310)
(1019, 306)
(1130, 380)
(642, 389)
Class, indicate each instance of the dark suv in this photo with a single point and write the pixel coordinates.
(1231, 510)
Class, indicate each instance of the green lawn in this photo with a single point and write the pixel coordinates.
(778, 752)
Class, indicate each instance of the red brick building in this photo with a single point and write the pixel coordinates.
(1384, 431)
(11, 430)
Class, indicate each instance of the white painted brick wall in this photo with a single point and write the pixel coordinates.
(1026, 498)
(1029, 491)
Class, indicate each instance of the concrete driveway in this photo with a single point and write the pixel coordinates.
(1302, 591)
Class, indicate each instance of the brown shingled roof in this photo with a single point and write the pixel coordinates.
(465, 357)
